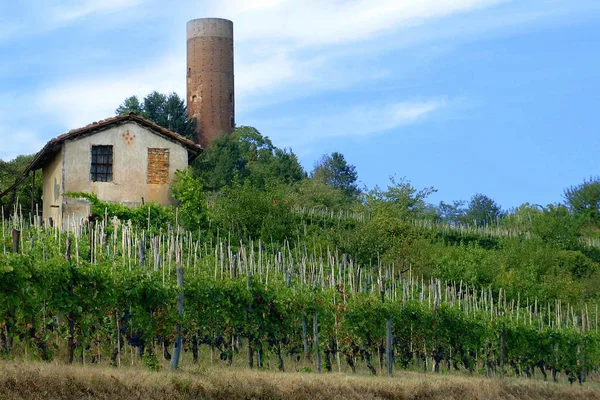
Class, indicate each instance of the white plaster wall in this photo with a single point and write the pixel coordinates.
(130, 143)
(52, 192)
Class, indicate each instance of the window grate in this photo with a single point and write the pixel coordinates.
(102, 164)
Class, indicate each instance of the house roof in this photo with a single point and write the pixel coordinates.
(54, 145)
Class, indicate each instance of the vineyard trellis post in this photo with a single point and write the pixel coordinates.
(16, 236)
(91, 228)
(250, 336)
(177, 348)
(305, 337)
(390, 351)
(316, 340)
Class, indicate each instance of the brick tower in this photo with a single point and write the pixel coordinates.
(210, 91)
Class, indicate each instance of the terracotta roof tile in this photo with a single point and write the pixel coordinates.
(123, 118)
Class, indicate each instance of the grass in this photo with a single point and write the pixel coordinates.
(31, 380)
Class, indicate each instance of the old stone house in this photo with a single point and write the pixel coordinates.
(125, 159)
(128, 159)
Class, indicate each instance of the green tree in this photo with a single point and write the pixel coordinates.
(401, 199)
(452, 213)
(168, 111)
(130, 105)
(584, 200)
(483, 211)
(191, 201)
(246, 156)
(221, 164)
(333, 170)
(251, 213)
(267, 163)
(555, 225)
(314, 194)
(10, 172)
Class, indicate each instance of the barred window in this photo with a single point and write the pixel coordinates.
(102, 164)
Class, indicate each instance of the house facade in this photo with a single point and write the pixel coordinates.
(125, 159)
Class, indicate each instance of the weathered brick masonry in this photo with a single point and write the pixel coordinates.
(158, 166)
(210, 90)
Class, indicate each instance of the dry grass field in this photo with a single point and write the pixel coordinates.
(56, 381)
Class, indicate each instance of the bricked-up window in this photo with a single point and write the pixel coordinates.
(158, 166)
(102, 164)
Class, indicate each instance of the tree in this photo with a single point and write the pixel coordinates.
(401, 200)
(130, 105)
(584, 200)
(168, 111)
(555, 225)
(190, 198)
(221, 164)
(314, 194)
(333, 170)
(482, 211)
(10, 172)
(267, 163)
(452, 213)
(246, 155)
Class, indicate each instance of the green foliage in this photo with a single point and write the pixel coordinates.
(469, 263)
(400, 201)
(250, 213)
(246, 156)
(10, 172)
(150, 215)
(557, 226)
(452, 213)
(191, 200)
(584, 200)
(130, 105)
(221, 164)
(482, 211)
(168, 111)
(46, 295)
(267, 164)
(311, 193)
(333, 170)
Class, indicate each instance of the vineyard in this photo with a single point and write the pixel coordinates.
(108, 292)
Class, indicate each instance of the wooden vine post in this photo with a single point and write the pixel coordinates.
(16, 237)
(250, 336)
(316, 340)
(502, 350)
(91, 225)
(177, 348)
(142, 249)
(390, 351)
(71, 314)
(305, 337)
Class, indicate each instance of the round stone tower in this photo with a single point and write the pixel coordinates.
(210, 94)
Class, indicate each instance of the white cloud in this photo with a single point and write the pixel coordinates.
(261, 74)
(286, 49)
(66, 12)
(356, 122)
(318, 22)
(372, 119)
(75, 103)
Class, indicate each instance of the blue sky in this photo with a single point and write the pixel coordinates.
(468, 96)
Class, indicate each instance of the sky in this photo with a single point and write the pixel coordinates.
(497, 97)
